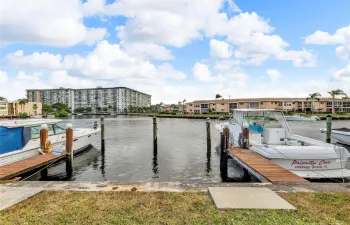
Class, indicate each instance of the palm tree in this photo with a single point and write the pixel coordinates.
(172, 107)
(216, 97)
(22, 102)
(334, 93)
(183, 105)
(313, 96)
(179, 104)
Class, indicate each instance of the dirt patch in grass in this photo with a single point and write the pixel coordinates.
(67, 207)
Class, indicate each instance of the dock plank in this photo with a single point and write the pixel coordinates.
(17, 168)
(266, 168)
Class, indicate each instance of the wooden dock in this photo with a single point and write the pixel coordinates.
(263, 168)
(23, 166)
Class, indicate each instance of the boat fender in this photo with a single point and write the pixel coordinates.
(48, 146)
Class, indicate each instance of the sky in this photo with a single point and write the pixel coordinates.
(176, 49)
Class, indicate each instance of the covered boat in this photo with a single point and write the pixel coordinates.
(20, 139)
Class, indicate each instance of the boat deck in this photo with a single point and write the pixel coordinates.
(266, 169)
(20, 167)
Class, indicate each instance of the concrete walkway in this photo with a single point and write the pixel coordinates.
(12, 193)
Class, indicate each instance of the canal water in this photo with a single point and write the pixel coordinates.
(182, 153)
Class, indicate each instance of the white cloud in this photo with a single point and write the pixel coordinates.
(34, 61)
(274, 74)
(342, 74)
(3, 76)
(201, 72)
(93, 7)
(148, 51)
(166, 70)
(234, 7)
(342, 35)
(220, 49)
(61, 78)
(49, 22)
(343, 51)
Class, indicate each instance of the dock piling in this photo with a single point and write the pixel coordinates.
(208, 133)
(155, 131)
(69, 146)
(224, 145)
(44, 134)
(102, 133)
(329, 128)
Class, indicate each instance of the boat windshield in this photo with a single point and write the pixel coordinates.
(258, 117)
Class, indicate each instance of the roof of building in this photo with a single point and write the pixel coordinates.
(77, 89)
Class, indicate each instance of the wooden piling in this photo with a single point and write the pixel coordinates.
(329, 128)
(245, 134)
(224, 145)
(102, 133)
(208, 133)
(44, 134)
(69, 150)
(155, 131)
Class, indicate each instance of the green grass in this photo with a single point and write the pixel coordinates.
(67, 207)
(179, 115)
(324, 114)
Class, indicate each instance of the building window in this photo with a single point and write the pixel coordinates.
(287, 104)
(346, 104)
(233, 105)
(222, 103)
(254, 105)
(204, 106)
(329, 104)
(197, 106)
(338, 104)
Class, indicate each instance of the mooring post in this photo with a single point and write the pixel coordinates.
(208, 132)
(102, 133)
(44, 134)
(224, 146)
(155, 131)
(69, 150)
(245, 133)
(329, 128)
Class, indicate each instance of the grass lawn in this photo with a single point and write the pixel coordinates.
(324, 115)
(63, 207)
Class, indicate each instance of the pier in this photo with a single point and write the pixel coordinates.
(264, 169)
(18, 168)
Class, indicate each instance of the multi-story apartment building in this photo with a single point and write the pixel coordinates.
(3, 108)
(285, 104)
(94, 100)
(31, 108)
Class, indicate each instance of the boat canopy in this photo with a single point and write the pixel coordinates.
(11, 139)
(27, 123)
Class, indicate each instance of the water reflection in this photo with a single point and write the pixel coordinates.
(155, 168)
(208, 164)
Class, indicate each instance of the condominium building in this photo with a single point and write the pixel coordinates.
(31, 108)
(93, 100)
(3, 108)
(285, 104)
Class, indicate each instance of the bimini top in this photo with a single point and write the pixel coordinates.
(27, 123)
(256, 110)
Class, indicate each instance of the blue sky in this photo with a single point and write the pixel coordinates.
(176, 49)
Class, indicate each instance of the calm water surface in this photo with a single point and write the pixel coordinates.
(182, 153)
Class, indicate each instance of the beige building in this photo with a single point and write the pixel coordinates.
(31, 108)
(3, 108)
(285, 104)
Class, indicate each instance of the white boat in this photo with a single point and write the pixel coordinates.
(297, 117)
(20, 139)
(271, 137)
(340, 135)
(113, 114)
(79, 114)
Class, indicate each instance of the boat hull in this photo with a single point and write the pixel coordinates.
(341, 138)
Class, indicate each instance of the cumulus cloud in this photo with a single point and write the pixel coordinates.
(342, 74)
(55, 23)
(342, 35)
(3, 76)
(201, 72)
(274, 74)
(220, 49)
